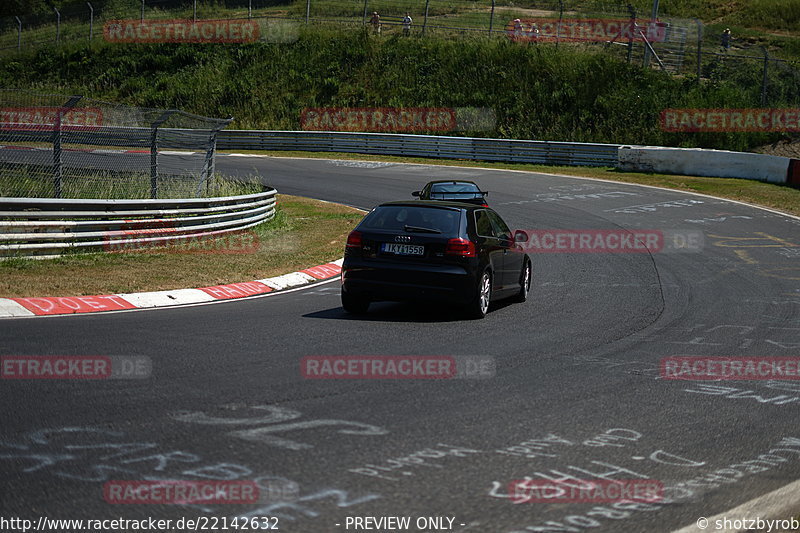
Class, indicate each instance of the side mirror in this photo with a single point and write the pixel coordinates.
(416, 193)
(520, 236)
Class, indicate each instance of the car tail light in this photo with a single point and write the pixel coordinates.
(354, 240)
(462, 247)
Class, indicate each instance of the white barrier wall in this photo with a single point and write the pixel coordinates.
(700, 162)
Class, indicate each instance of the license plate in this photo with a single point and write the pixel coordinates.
(402, 249)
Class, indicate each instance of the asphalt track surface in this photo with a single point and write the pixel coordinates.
(576, 391)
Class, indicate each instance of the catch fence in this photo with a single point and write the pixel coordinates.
(58, 146)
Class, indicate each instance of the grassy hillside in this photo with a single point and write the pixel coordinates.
(771, 23)
(538, 92)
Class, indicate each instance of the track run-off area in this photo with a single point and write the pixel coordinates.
(576, 393)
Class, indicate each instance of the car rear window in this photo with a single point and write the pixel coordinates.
(454, 187)
(397, 217)
(452, 190)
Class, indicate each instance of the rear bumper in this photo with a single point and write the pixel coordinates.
(390, 282)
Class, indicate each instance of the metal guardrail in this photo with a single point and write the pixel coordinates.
(116, 136)
(47, 227)
(470, 148)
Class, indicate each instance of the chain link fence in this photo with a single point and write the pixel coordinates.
(59, 146)
(681, 46)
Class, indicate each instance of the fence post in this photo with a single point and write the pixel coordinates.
(19, 34)
(154, 151)
(194, 10)
(364, 18)
(560, 19)
(491, 19)
(249, 9)
(653, 16)
(632, 11)
(699, 49)
(425, 20)
(154, 163)
(308, 10)
(58, 25)
(208, 164)
(764, 80)
(91, 20)
(141, 17)
(649, 47)
(58, 173)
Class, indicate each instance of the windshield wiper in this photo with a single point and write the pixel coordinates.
(420, 230)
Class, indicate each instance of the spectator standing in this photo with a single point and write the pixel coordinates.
(407, 21)
(534, 33)
(517, 29)
(376, 23)
(726, 39)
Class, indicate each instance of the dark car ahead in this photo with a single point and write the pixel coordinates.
(453, 191)
(436, 251)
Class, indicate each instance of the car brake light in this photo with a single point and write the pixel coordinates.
(354, 240)
(462, 247)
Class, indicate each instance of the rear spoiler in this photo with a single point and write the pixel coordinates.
(474, 193)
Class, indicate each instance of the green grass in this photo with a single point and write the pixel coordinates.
(36, 181)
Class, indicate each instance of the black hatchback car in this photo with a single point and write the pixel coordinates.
(436, 251)
(453, 191)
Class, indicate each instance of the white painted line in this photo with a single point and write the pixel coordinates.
(168, 152)
(167, 298)
(287, 280)
(338, 262)
(774, 211)
(780, 504)
(12, 308)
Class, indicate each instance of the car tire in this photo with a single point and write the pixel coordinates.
(480, 305)
(524, 283)
(355, 305)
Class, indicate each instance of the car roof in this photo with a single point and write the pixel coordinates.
(452, 181)
(433, 203)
